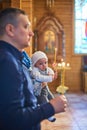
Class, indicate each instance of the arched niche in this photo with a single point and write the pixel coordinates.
(48, 36)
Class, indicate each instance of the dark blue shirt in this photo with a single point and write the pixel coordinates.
(18, 105)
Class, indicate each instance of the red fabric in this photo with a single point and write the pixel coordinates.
(86, 29)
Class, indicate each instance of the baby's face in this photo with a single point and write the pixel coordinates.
(42, 64)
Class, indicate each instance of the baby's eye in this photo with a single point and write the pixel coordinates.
(41, 64)
(46, 62)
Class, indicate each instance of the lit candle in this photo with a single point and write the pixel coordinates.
(68, 64)
(59, 64)
(63, 64)
(55, 51)
(62, 60)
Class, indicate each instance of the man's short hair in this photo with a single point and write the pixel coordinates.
(9, 16)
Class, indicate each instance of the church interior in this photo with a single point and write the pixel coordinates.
(54, 25)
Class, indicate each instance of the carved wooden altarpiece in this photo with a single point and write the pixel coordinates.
(48, 36)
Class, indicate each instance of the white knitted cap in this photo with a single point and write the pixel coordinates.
(37, 56)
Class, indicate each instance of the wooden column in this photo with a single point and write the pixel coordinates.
(27, 6)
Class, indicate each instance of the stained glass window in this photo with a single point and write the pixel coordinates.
(80, 27)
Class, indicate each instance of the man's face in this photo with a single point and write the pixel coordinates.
(22, 32)
(42, 64)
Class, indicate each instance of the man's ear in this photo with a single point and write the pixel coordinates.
(10, 29)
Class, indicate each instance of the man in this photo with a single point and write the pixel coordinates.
(18, 105)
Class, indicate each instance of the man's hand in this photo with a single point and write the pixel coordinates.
(59, 103)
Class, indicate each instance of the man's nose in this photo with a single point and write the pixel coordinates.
(31, 33)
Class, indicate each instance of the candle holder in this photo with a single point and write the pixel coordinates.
(62, 67)
(55, 53)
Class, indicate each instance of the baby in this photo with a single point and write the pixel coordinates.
(42, 74)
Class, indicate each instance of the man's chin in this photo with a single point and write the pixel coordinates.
(27, 44)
